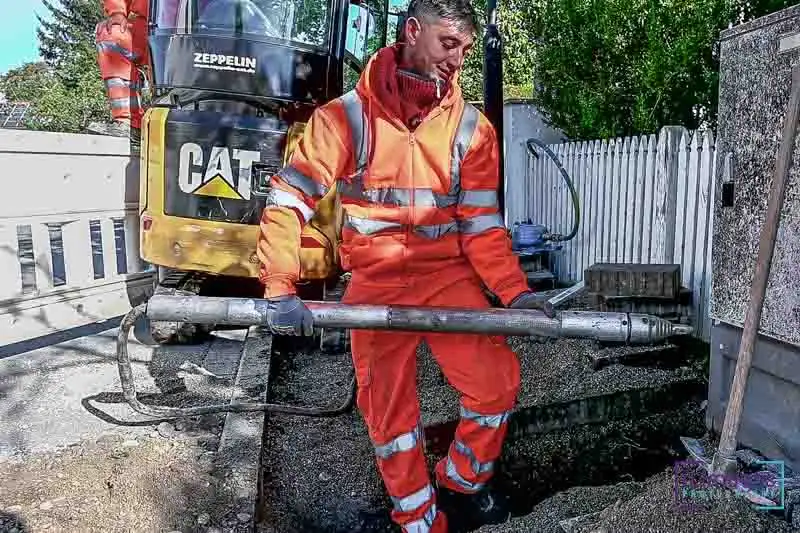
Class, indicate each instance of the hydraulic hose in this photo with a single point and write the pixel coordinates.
(573, 193)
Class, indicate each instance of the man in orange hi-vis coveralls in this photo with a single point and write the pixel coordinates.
(122, 50)
(416, 169)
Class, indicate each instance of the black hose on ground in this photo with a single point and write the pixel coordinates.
(573, 193)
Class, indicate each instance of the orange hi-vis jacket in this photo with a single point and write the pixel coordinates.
(415, 203)
(127, 7)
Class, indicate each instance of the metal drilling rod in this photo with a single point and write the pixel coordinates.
(624, 327)
(615, 327)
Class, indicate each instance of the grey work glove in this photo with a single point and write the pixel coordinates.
(531, 300)
(288, 315)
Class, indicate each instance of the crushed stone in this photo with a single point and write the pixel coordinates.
(319, 474)
(547, 515)
(553, 371)
(655, 511)
(154, 486)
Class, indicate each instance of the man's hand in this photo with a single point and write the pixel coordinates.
(531, 300)
(116, 19)
(288, 315)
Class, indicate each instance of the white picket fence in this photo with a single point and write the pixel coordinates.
(643, 199)
(69, 245)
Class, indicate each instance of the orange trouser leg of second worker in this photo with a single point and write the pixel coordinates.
(483, 369)
(119, 56)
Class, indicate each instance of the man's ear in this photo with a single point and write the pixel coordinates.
(413, 28)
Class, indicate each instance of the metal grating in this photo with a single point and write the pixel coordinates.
(13, 115)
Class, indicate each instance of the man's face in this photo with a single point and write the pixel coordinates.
(438, 47)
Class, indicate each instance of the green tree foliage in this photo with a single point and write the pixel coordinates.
(68, 34)
(65, 90)
(514, 16)
(606, 68)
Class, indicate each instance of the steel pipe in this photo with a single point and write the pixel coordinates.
(163, 413)
(611, 327)
(623, 327)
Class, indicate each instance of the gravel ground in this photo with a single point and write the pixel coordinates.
(319, 473)
(115, 483)
(576, 501)
(553, 371)
(647, 507)
(654, 511)
(336, 487)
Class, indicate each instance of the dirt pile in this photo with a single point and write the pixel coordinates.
(647, 507)
(113, 484)
(553, 371)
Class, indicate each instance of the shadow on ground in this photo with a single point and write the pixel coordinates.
(11, 522)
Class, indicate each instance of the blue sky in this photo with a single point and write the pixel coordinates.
(18, 43)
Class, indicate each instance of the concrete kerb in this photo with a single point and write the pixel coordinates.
(239, 453)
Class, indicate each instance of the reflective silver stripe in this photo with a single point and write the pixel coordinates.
(393, 195)
(298, 180)
(111, 46)
(450, 472)
(403, 443)
(477, 466)
(359, 127)
(435, 231)
(480, 223)
(368, 226)
(119, 82)
(413, 501)
(492, 421)
(424, 524)
(284, 199)
(464, 133)
(485, 198)
(124, 103)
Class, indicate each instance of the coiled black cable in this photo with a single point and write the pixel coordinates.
(570, 185)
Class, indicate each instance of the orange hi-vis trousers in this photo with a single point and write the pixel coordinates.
(483, 369)
(120, 55)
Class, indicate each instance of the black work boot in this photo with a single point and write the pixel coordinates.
(466, 512)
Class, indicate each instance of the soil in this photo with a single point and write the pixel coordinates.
(554, 371)
(320, 474)
(120, 483)
(642, 507)
(109, 484)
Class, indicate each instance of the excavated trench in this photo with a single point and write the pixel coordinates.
(578, 423)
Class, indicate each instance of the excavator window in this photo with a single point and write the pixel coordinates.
(371, 25)
(303, 22)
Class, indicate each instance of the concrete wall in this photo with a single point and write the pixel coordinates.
(69, 252)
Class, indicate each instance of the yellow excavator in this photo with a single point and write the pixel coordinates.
(234, 83)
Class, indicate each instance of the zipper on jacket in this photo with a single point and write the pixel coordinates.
(412, 141)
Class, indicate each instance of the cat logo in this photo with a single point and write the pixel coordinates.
(215, 177)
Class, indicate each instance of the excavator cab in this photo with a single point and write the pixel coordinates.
(233, 83)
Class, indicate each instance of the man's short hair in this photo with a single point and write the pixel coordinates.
(459, 11)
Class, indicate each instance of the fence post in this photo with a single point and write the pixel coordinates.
(665, 194)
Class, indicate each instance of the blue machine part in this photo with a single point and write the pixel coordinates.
(528, 239)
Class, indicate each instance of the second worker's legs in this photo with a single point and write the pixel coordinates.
(120, 55)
